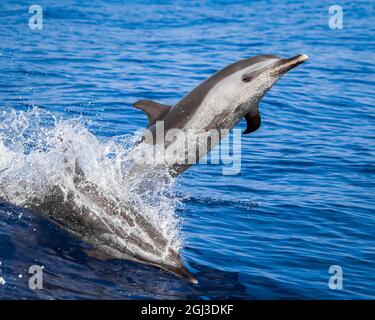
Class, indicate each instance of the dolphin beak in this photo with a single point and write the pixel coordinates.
(178, 268)
(284, 65)
(182, 272)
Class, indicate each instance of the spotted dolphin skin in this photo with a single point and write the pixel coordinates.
(114, 228)
(221, 101)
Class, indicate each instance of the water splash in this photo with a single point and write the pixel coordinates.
(38, 151)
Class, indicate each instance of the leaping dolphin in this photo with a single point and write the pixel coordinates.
(221, 101)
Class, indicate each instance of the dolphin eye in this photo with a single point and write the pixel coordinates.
(247, 77)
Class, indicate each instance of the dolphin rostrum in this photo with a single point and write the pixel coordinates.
(219, 102)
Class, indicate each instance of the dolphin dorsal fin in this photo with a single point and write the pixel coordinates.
(154, 110)
(252, 121)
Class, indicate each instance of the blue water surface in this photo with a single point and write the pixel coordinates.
(304, 199)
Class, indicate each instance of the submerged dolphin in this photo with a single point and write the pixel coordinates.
(114, 228)
(221, 101)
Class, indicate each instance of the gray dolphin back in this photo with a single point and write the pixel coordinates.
(178, 115)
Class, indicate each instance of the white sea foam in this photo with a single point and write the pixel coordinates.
(38, 150)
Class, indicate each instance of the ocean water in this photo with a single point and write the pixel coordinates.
(303, 201)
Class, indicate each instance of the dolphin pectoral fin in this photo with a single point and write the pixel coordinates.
(253, 121)
(154, 111)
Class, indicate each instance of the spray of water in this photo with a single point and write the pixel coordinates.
(38, 151)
